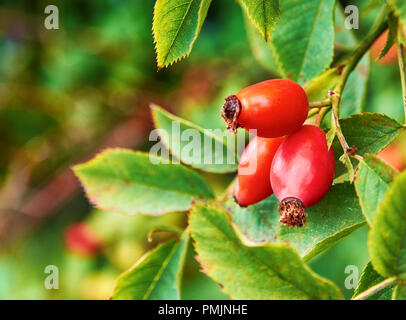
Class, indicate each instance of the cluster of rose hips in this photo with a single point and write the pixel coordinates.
(292, 159)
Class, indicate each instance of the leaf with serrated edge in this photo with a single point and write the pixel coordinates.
(392, 35)
(386, 240)
(273, 271)
(264, 14)
(176, 25)
(219, 162)
(126, 181)
(369, 278)
(335, 217)
(370, 132)
(261, 50)
(303, 39)
(373, 179)
(156, 276)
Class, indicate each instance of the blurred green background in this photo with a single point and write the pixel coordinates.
(67, 94)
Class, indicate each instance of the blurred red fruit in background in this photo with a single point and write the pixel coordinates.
(80, 239)
(393, 156)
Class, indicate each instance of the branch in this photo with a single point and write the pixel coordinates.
(348, 67)
(374, 289)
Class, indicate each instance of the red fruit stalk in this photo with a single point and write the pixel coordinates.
(302, 173)
(274, 108)
(253, 182)
(80, 239)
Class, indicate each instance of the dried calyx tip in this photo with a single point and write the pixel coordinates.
(230, 112)
(292, 212)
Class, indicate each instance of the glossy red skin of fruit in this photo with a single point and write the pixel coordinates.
(303, 168)
(273, 107)
(256, 186)
(80, 239)
(377, 47)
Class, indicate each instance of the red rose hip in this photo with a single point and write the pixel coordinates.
(253, 182)
(302, 173)
(273, 107)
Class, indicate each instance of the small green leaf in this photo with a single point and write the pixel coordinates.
(386, 241)
(264, 14)
(370, 132)
(369, 278)
(129, 182)
(373, 179)
(304, 38)
(205, 150)
(157, 275)
(274, 271)
(176, 25)
(335, 217)
(392, 35)
(399, 293)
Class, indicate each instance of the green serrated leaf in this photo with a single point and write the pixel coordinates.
(273, 271)
(194, 146)
(370, 132)
(369, 278)
(157, 275)
(335, 217)
(373, 179)
(304, 38)
(386, 240)
(135, 182)
(392, 35)
(176, 25)
(261, 49)
(399, 293)
(264, 14)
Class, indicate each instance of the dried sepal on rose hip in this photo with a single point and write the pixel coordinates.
(253, 182)
(273, 107)
(302, 173)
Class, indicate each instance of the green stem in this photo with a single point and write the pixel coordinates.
(320, 104)
(402, 69)
(375, 289)
(347, 67)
